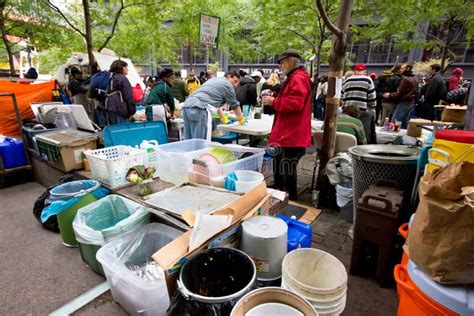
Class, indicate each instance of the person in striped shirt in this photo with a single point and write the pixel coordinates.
(359, 90)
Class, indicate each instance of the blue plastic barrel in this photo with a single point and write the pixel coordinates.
(299, 234)
(13, 153)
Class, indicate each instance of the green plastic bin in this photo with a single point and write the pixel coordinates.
(65, 218)
(104, 220)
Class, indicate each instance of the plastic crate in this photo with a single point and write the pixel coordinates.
(174, 159)
(110, 165)
(63, 148)
(30, 130)
(249, 158)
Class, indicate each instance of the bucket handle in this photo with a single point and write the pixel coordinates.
(80, 193)
(401, 274)
(403, 230)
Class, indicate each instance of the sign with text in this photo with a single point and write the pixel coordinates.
(209, 30)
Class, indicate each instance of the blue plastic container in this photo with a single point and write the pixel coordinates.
(133, 134)
(299, 234)
(13, 153)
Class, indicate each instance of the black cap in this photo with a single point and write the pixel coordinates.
(288, 53)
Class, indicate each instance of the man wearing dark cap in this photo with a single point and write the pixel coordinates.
(359, 91)
(291, 132)
(433, 91)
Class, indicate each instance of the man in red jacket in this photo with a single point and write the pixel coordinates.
(291, 132)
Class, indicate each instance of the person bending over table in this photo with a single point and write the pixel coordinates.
(291, 132)
(207, 100)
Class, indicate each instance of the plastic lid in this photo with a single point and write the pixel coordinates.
(265, 226)
(458, 298)
(466, 137)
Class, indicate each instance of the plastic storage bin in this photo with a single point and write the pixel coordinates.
(12, 153)
(123, 260)
(299, 234)
(30, 130)
(449, 145)
(133, 134)
(110, 165)
(102, 221)
(63, 148)
(248, 158)
(174, 159)
(67, 191)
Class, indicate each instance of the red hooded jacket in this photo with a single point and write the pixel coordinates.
(292, 121)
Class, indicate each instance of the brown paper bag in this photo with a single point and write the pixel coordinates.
(441, 238)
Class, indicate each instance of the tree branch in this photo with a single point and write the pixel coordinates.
(333, 28)
(56, 9)
(114, 26)
(300, 35)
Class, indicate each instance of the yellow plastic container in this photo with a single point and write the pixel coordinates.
(445, 152)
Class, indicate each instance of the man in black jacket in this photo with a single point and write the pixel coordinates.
(433, 92)
(246, 91)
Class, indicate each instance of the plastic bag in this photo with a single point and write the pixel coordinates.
(101, 221)
(343, 195)
(44, 200)
(339, 169)
(65, 196)
(136, 294)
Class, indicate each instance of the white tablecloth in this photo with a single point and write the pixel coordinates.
(253, 127)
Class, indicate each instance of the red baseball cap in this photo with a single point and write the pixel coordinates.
(359, 67)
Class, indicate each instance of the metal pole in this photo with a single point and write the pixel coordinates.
(207, 58)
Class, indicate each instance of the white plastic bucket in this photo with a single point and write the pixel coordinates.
(247, 180)
(264, 239)
(315, 271)
(317, 276)
(272, 295)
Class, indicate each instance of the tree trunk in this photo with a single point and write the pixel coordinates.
(336, 67)
(88, 37)
(446, 45)
(190, 56)
(4, 37)
(318, 56)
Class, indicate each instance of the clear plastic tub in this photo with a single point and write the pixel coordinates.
(249, 158)
(174, 159)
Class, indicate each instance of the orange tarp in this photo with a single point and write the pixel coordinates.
(25, 94)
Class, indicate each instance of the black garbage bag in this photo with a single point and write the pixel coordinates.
(181, 306)
(43, 201)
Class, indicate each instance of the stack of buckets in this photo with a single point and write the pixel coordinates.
(318, 277)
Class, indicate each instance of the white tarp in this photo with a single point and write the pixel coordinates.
(104, 62)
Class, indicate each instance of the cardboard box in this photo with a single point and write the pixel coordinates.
(172, 256)
(414, 126)
(455, 114)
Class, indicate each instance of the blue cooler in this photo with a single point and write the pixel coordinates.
(13, 153)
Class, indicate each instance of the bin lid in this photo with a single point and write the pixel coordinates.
(458, 298)
(66, 136)
(387, 154)
(466, 137)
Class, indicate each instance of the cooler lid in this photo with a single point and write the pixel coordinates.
(466, 137)
(458, 298)
(66, 136)
(265, 227)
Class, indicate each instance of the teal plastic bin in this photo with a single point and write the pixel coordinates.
(103, 221)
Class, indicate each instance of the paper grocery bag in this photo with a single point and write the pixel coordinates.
(441, 238)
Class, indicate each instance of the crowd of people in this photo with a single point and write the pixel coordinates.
(396, 95)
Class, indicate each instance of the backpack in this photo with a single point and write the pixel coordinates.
(99, 85)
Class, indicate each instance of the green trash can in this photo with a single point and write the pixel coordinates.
(104, 220)
(81, 189)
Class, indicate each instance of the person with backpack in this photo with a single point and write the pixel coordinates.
(114, 93)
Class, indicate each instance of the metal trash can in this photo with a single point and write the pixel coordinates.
(372, 163)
